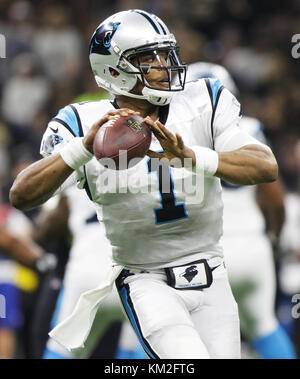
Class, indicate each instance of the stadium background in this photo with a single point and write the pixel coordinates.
(47, 67)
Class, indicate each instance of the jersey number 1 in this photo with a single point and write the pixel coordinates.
(170, 210)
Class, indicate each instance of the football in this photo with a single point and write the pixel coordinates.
(125, 140)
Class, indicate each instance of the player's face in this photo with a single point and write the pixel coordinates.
(154, 65)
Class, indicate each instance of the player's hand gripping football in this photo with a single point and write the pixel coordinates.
(89, 137)
(172, 145)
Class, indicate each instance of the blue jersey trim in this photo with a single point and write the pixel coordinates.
(78, 120)
(215, 86)
(69, 117)
(214, 89)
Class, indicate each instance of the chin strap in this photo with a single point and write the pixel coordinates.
(157, 97)
(154, 97)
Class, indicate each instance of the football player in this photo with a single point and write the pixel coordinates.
(159, 234)
(247, 248)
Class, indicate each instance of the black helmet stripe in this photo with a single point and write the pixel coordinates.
(147, 16)
(163, 29)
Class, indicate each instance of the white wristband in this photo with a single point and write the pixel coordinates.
(207, 160)
(75, 154)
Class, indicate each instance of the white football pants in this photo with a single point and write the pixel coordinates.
(182, 324)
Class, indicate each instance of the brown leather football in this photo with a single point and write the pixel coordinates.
(125, 140)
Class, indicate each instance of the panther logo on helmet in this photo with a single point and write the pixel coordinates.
(101, 40)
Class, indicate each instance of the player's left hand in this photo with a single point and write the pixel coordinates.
(172, 145)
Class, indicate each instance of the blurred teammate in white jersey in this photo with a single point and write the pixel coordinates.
(90, 257)
(247, 248)
(165, 234)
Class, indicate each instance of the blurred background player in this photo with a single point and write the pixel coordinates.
(34, 265)
(17, 277)
(90, 257)
(247, 247)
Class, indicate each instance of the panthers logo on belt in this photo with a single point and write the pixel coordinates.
(101, 40)
(190, 273)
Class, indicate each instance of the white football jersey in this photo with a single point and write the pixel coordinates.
(146, 227)
(242, 215)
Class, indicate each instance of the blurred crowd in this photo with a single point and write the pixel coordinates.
(46, 67)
